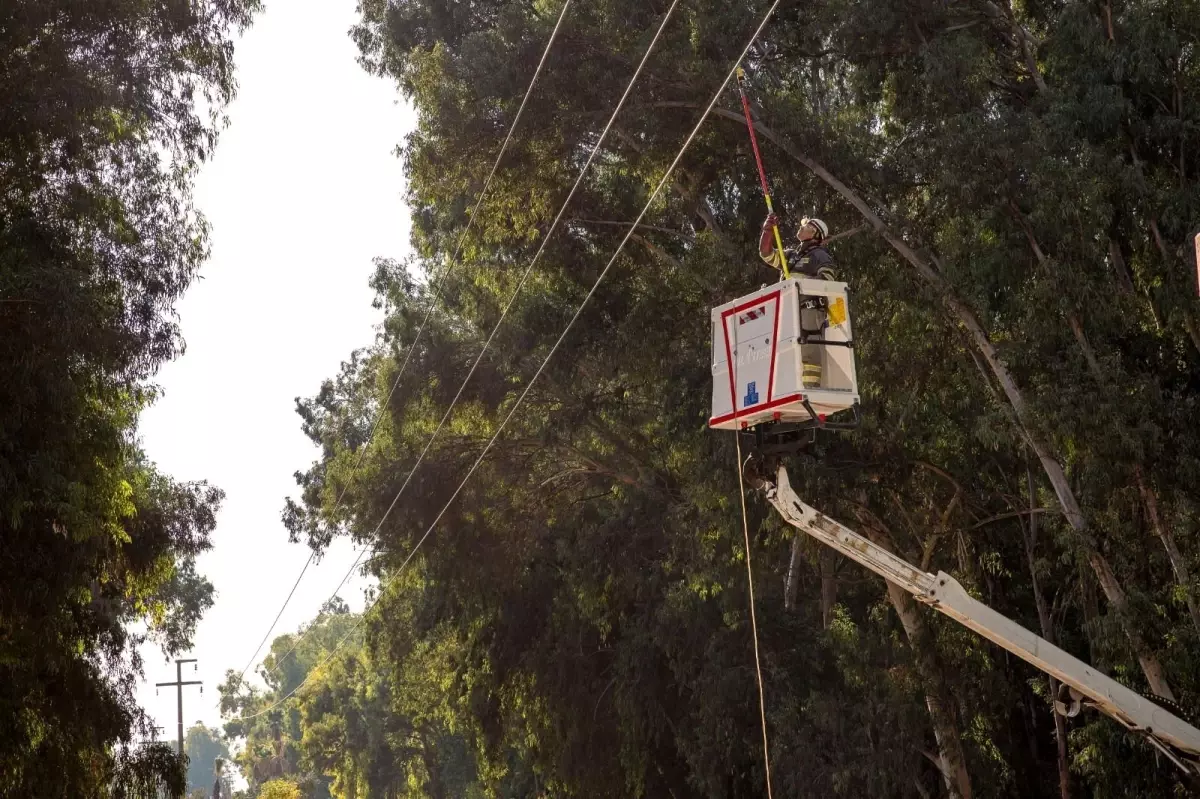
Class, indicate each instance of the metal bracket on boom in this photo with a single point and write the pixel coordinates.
(773, 439)
(1068, 701)
(1178, 740)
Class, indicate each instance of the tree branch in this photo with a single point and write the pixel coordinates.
(845, 234)
(1073, 319)
(614, 223)
(1001, 517)
(929, 269)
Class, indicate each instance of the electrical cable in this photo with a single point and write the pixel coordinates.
(529, 268)
(271, 629)
(516, 291)
(554, 349)
(280, 660)
(592, 292)
(420, 330)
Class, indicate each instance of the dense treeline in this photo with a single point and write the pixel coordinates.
(106, 115)
(1016, 186)
(350, 725)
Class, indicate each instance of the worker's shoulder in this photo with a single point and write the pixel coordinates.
(818, 255)
(815, 257)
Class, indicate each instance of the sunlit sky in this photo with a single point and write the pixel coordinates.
(305, 189)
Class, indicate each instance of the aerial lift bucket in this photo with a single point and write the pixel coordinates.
(783, 359)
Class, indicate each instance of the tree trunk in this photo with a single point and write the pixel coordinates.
(951, 760)
(1090, 607)
(1047, 625)
(1189, 321)
(1085, 346)
(1073, 321)
(1089, 355)
(1124, 281)
(435, 785)
(1020, 37)
(1193, 329)
(937, 696)
(1178, 564)
(827, 562)
(927, 269)
(791, 583)
(1115, 593)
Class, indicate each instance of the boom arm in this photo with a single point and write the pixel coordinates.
(1177, 739)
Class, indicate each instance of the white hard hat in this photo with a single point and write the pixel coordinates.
(818, 224)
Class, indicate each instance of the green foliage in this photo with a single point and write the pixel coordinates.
(271, 733)
(280, 789)
(578, 616)
(102, 132)
(145, 773)
(203, 745)
(353, 728)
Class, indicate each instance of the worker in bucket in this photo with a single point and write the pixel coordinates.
(810, 259)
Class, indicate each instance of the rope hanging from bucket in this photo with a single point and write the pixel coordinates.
(762, 702)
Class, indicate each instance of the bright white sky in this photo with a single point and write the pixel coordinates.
(304, 191)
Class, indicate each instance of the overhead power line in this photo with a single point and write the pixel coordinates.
(304, 633)
(271, 629)
(516, 292)
(579, 311)
(529, 268)
(421, 329)
(633, 227)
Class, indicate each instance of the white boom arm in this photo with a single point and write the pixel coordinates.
(1173, 736)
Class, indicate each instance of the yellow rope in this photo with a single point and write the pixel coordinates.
(762, 703)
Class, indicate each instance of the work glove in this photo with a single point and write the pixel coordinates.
(766, 242)
(771, 222)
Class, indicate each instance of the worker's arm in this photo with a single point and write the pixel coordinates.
(766, 244)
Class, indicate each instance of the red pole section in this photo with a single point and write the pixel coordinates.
(762, 173)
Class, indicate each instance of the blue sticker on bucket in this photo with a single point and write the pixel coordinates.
(751, 395)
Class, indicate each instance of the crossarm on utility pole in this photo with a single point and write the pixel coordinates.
(178, 686)
(945, 594)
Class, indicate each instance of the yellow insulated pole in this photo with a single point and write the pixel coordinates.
(762, 173)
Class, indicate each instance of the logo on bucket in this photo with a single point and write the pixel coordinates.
(751, 394)
(750, 316)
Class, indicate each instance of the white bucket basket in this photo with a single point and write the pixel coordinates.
(769, 337)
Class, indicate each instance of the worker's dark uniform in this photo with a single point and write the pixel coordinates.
(808, 259)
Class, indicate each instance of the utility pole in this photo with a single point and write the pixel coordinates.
(178, 685)
(153, 739)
